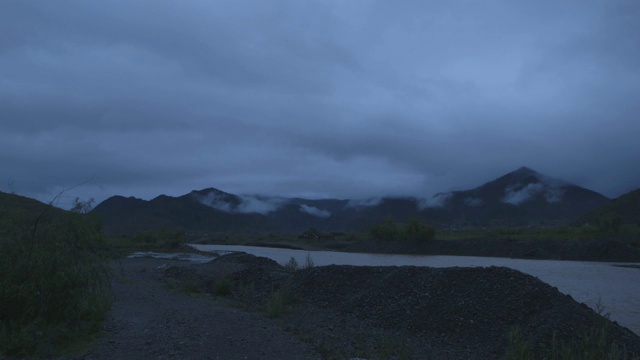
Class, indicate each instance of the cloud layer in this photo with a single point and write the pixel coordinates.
(319, 99)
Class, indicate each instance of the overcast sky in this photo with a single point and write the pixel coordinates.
(346, 99)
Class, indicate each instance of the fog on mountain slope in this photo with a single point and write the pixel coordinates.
(520, 198)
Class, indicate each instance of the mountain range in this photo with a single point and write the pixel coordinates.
(523, 197)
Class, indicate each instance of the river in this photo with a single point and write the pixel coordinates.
(616, 288)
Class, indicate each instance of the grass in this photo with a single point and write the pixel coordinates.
(308, 261)
(595, 344)
(292, 265)
(54, 282)
(223, 287)
(278, 302)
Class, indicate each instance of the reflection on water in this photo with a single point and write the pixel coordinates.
(617, 288)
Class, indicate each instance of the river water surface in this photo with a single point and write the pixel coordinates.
(616, 288)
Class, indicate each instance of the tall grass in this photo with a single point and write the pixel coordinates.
(54, 282)
(278, 302)
(595, 344)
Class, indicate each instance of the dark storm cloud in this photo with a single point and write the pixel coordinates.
(316, 98)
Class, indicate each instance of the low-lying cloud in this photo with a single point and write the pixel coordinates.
(473, 202)
(518, 194)
(360, 203)
(312, 210)
(248, 203)
(436, 201)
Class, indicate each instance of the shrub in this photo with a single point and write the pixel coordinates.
(418, 231)
(308, 261)
(385, 230)
(223, 287)
(595, 344)
(54, 282)
(292, 265)
(414, 230)
(278, 302)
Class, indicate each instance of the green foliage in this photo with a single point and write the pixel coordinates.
(609, 224)
(595, 344)
(418, 231)
(292, 265)
(164, 239)
(54, 281)
(308, 261)
(519, 348)
(278, 302)
(414, 230)
(223, 287)
(387, 230)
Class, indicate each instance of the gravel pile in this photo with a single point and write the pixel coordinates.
(408, 312)
(463, 310)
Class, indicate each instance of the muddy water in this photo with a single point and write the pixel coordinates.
(616, 288)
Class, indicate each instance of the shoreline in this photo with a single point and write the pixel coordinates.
(609, 251)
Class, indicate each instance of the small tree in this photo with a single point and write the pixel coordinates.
(82, 207)
(386, 230)
(416, 230)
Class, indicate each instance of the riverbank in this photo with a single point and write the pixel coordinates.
(245, 307)
(536, 249)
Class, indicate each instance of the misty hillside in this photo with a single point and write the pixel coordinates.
(520, 198)
(626, 208)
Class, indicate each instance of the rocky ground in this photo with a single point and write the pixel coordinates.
(153, 318)
(240, 306)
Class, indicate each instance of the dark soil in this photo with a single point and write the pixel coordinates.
(224, 309)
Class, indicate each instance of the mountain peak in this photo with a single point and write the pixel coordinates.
(525, 170)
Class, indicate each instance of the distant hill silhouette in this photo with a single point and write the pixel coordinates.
(520, 198)
(26, 206)
(626, 208)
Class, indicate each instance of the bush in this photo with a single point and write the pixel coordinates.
(292, 265)
(418, 231)
(278, 302)
(54, 282)
(385, 231)
(414, 230)
(595, 344)
(223, 287)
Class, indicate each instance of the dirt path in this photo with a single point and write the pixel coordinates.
(150, 321)
(341, 312)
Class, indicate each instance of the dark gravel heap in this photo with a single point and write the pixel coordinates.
(465, 310)
(408, 312)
